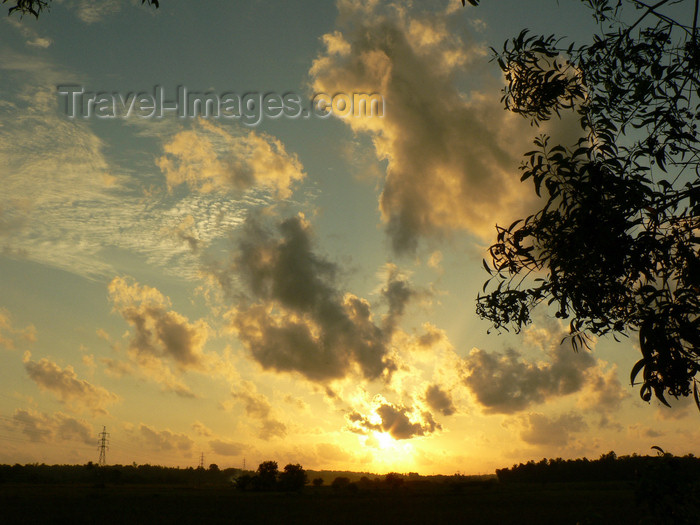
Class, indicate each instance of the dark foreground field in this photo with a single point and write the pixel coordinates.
(539, 504)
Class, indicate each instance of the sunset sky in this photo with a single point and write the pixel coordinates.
(296, 289)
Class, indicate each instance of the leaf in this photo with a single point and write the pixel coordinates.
(636, 369)
(486, 266)
(659, 449)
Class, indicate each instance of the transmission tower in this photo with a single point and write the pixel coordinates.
(201, 460)
(103, 445)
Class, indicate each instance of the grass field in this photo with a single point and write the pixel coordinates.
(556, 504)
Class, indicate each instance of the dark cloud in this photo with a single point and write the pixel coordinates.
(431, 336)
(445, 152)
(292, 315)
(543, 430)
(399, 421)
(439, 400)
(505, 383)
(64, 383)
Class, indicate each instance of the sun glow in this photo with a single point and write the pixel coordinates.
(389, 454)
(384, 440)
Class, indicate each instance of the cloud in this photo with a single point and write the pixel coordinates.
(10, 336)
(401, 422)
(543, 430)
(292, 316)
(69, 202)
(439, 400)
(227, 448)
(505, 383)
(32, 38)
(90, 12)
(64, 383)
(42, 428)
(449, 156)
(201, 429)
(209, 158)
(158, 331)
(603, 392)
(258, 407)
(332, 452)
(165, 440)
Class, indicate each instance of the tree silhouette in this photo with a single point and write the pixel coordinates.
(615, 247)
(266, 478)
(36, 7)
(293, 478)
(340, 483)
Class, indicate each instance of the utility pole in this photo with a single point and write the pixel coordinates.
(243, 463)
(103, 445)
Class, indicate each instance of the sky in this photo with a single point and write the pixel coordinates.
(273, 283)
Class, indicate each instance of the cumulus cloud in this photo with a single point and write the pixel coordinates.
(42, 428)
(543, 430)
(158, 331)
(445, 152)
(258, 407)
(506, 383)
(209, 158)
(439, 400)
(292, 315)
(65, 384)
(165, 440)
(401, 422)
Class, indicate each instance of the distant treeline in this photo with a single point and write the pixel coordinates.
(609, 467)
(127, 474)
(91, 473)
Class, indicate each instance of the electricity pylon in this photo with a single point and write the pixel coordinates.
(103, 445)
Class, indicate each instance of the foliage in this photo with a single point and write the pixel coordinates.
(317, 482)
(340, 483)
(293, 478)
(114, 474)
(393, 480)
(669, 488)
(615, 246)
(266, 477)
(35, 7)
(609, 467)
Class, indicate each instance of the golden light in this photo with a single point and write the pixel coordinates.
(384, 439)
